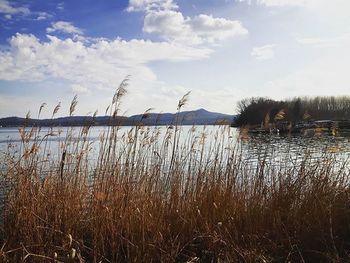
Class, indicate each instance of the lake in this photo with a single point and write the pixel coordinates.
(276, 148)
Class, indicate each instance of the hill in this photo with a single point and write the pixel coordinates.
(197, 117)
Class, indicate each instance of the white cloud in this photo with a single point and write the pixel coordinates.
(171, 25)
(147, 5)
(8, 8)
(60, 6)
(264, 52)
(216, 29)
(94, 69)
(99, 65)
(43, 16)
(65, 27)
(163, 18)
(87, 66)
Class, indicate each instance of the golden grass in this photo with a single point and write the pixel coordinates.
(151, 197)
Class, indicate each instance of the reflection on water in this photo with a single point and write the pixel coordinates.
(276, 149)
(282, 146)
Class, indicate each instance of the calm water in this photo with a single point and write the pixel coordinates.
(282, 151)
(277, 148)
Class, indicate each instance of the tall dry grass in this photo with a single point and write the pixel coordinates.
(151, 197)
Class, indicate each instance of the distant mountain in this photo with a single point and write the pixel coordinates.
(64, 121)
(197, 117)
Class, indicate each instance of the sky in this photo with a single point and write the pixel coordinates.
(220, 50)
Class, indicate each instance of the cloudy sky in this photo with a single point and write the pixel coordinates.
(220, 50)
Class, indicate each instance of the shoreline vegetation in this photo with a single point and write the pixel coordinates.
(297, 115)
(156, 198)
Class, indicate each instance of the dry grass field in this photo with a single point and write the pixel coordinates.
(151, 197)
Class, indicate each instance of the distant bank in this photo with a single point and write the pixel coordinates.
(197, 117)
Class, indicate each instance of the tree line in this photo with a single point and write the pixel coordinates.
(255, 111)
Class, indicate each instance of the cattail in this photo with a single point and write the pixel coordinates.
(146, 114)
(56, 109)
(73, 105)
(41, 108)
(115, 113)
(183, 100)
(107, 109)
(121, 90)
(28, 115)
